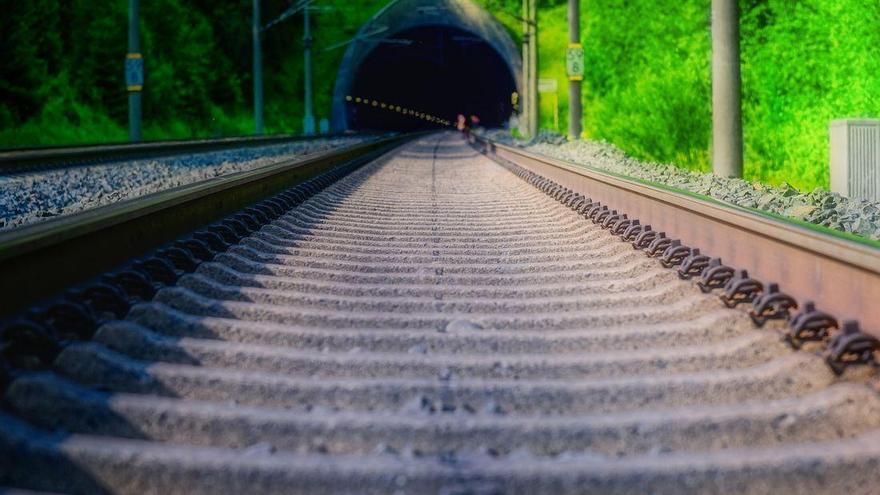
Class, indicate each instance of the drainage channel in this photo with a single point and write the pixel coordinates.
(432, 323)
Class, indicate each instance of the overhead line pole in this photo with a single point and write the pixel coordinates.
(727, 133)
(308, 113)
(258, 69)
(134, 72)
(526, 97)
(533, 68)
(575, 111)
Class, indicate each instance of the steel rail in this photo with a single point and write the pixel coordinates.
(839, 273)
(37, 261)
(431, 302)
(25, 159)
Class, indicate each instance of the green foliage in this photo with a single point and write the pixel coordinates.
(804, 64)
(552, 42)
(62, 81)
(648, 82)
(647, 86)
(62, 119)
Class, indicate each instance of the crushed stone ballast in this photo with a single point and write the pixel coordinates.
(431, 322)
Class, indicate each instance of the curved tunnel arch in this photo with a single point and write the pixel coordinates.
(451, 56)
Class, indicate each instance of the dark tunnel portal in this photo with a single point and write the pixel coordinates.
(442, 71)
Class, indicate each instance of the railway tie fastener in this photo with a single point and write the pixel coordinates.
(431, 314)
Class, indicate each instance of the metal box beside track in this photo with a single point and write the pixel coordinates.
(855, 158)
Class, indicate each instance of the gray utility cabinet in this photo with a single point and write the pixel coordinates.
(855, 158)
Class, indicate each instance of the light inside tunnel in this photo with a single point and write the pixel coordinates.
(436, 70)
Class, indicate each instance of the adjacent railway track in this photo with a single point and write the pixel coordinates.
(29, 159)
(41, 259)
(430, 320)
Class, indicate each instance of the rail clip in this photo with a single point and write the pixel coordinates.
(851, 347)
(772, 305)
(692, 265)
(741, 289)
(810, 325)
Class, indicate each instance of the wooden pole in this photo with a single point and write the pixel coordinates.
(575, 110)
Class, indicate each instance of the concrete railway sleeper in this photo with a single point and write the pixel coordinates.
(431, 323)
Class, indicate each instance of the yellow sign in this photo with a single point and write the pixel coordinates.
(574, 62)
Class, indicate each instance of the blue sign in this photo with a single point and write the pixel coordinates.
(134, 72)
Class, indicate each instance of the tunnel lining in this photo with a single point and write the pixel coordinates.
(401, 16)
(445, 72)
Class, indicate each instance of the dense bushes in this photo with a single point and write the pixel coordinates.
(62, 74)
(647, 87)
(61, 80)
(805, 63)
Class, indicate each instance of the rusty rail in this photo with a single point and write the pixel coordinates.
(842, 275)
(27, 159)
(40, 260)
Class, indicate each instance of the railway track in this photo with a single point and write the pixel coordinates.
(434, 323)
(45, 158)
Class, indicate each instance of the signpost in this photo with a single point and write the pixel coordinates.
(547, 85)
(551, 86)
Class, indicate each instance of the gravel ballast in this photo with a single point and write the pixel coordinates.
(820, 207)
(433, 323)
(33, 197)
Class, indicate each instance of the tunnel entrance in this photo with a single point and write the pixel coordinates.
(438, 70)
